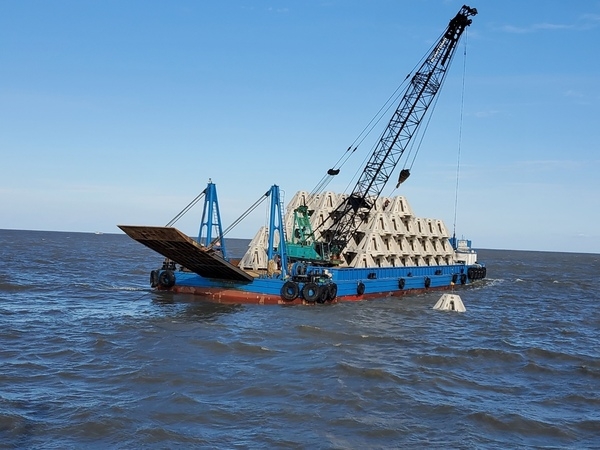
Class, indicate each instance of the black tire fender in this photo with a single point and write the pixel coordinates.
(401, 283)
(154, 278)
(332, 287)
(289, 290)
(310, 292)
(360, 288)
(166, 279)
(323, 293)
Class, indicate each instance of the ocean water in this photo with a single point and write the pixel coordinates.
(90, 357)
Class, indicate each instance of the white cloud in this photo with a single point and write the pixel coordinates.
(585, 22)
(591, 20)
(534, 27)
(279, 10)
(573, 94)
(489, 113)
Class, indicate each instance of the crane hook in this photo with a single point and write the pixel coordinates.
(404, 174)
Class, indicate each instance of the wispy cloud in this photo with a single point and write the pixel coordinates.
(585, 22)
(591, 19)
(484, 114)
(535, 27)
(579, 97)
(573, 94)
(550, 165)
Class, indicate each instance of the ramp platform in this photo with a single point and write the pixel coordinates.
(178, 247)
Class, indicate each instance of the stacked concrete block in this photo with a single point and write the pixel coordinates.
(392, 237)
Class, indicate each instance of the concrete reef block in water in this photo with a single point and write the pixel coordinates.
(450, 302)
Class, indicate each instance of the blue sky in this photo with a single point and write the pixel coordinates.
(118, 112)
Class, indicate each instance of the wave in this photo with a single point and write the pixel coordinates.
(367, 373)
(518, 424)
(12, 288)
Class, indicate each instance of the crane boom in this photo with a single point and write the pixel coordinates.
(405, 121)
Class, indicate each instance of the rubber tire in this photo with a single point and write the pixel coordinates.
(166, 279)
(323, 293)
(154, 277)
(332, 288)
(289, 291)
(401, 283)
(427, 282)
(310, 292)
(360, 288)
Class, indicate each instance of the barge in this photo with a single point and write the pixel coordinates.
(327, 247)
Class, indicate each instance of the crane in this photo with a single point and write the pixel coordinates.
(419, 95)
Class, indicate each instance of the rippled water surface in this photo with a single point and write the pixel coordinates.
(90, 357)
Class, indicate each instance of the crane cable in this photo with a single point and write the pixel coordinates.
(462, 104)
(422, 130)
(414, 147)
(366, 131)
(394, 99)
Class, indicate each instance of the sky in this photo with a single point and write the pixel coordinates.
(120, 112)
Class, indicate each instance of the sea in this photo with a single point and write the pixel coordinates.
(91, 357)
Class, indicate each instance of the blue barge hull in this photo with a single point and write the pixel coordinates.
(350, 285)
(206, 273)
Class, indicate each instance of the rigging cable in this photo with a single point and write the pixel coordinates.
(395, 99)
(422, 131)
(239, 219)
(383, 110)
(462, 104)
(186, 209)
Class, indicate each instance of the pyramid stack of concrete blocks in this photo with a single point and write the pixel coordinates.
(255, 257)
(393, 236)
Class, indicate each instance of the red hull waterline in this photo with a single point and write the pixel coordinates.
(233, 296)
